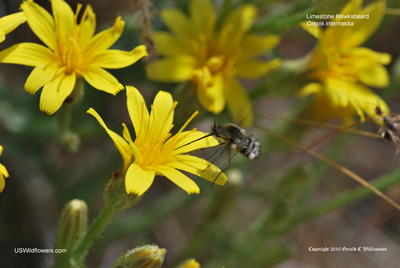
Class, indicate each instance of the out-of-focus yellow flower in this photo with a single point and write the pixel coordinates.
(341, 70)
(9, 23)
(155, 150)
(3, 173)
(72, 50)
(213, 57)
(192, 263)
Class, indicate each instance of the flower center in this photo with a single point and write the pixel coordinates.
(68, 48)
(203, 76)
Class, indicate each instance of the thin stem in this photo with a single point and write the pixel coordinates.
(393, 11)
(97, 227)
(347, 197)
(64, 120)
(336, 165)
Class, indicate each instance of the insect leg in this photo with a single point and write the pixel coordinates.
(225, 166)
(222, 143)
(217, 156)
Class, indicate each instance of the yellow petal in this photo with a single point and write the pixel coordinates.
(313, 30)
(3, 171)
(115, 59)
(172, 69)
(179, 179)
(102, 80)
(253, 44)
(253, 69)
(168, 44)
(311, 88)
(352, 7)
(56, 91)
(374, 76)
(88, 25)
(241, 19)
(63, 15)
(121, 145)
(2, 183)
(364, 28)
(190, 141)
(337, 90)
(361, 53)
(29, 54)
(213, 97)
(9, 23)
(40, 21)
(177, 22)
(138, 113)
(161, 116)
(366, 100)
(198, 167)
(239, 103)
(137, 180)
(1, 149)
(135, 151)
(108, 37)
(40, 76)
(203, 16)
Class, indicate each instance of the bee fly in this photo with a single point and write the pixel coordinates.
(390, 128)
(234, 137)
(238, 139)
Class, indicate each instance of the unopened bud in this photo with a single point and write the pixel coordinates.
(72, 225)
(148, 256)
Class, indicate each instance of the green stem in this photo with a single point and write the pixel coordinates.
(97, 227)
(64, 120)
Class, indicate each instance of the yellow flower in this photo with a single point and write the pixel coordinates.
(341, 70)
(72, 51)
(3, 173)
(9, 23)
(155, 150)
(213, 57)
(191, 263)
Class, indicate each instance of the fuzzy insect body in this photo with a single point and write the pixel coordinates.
(390, 129)
(238, 139)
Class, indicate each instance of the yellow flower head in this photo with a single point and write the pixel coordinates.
(155, 151)
(9, 23)
(191, 263)
(212, 57)
(341, 70)
(72, 50)
(3, 173)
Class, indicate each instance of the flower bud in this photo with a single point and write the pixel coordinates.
(72, 225)
(148, 256)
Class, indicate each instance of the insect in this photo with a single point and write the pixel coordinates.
(235, 137)
(390, 128)
(238, 139)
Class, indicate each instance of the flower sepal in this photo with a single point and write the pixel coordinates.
(115, 194)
